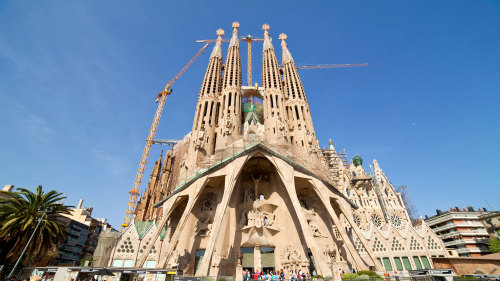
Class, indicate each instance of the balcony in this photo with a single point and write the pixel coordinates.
(465, 241)
(443, 227)
(454, 242)
(448, 235)
(469, 223)
(471, 250)
(450, 216)
(474, 232)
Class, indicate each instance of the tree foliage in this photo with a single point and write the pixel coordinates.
(494, 244)
(20, 212)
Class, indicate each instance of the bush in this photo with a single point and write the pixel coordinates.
(363, 276)
(347, 276)
(369, 273)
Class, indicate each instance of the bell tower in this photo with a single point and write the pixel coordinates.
(297, 109)
(203, 136)
(230, 118)
(274, 117)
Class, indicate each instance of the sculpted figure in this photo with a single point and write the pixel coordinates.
(199, 138)
(228, 126)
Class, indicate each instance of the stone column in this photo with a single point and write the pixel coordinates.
(257, 258)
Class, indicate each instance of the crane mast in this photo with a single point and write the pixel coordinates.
(161, 99)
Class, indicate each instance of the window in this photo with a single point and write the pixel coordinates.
(425, 261)
(150, 264)
(417, 262)
(198, 258)
(387, 264)
(399, 265)
(117, 263)
(128, 263)
(407, 264)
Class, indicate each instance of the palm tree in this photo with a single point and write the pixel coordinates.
(20, 212)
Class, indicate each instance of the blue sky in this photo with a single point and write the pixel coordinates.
(78, 80)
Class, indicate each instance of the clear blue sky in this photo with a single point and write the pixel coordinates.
(78, 80)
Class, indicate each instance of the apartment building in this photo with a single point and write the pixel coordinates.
(461, 230)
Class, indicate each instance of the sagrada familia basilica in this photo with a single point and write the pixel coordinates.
(250, 188)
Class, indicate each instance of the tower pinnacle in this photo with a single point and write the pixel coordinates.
(217, 51)
(286, 56)
(267, 40)
(234, 39)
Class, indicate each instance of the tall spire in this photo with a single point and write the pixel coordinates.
(207, 108)
(274, 114)
(217, 51)
(230, 100)
(297, 108)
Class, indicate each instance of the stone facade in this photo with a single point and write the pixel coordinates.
(249, 188)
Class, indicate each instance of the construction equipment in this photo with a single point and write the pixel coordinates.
(331, 66)
(161, 98)
(166, 142)
(249, 39)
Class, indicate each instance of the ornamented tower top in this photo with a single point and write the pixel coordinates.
(297, 108)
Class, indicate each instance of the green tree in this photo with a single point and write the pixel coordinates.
(20, 211)
(494, 244)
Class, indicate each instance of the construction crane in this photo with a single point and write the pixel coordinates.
(249, 39)
(166, 142)
(331, 66)
(161, 98)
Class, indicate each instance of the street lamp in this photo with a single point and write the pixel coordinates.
(27, 244)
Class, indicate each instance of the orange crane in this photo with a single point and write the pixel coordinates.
(160, 99)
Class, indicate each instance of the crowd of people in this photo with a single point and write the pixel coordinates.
(296, 275)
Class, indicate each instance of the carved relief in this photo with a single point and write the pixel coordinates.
(291, 258)
(199, 138)
(228, 126)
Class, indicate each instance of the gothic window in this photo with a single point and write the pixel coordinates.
(207, 205)
(396, 245)
(359, 246)
(415, 245)
(126, 247)
(377, 246)
(357, 220)
(432, 244)
(396, 221)
(376, 221)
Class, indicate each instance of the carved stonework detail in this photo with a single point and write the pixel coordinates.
(228, 127)
(199, 138)
(291, 258)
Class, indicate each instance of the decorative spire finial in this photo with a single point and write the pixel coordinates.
(217, 51)
(286, 57)
(234, 39)
(267, 40)
(220, 32)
